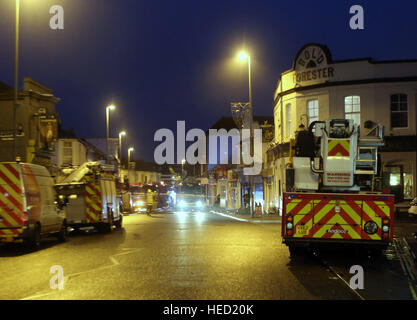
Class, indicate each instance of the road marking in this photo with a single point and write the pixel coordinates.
(342, 279)
(112, 258)
(245, 220)
(231, 217)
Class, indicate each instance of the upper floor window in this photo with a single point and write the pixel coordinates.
(353, 109)
(313, 111)
(289, 119)
(67, 153)
(399, 111)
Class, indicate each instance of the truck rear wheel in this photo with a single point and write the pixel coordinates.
(297, 250)
(34, 241)
(119, 223)
(62, 234)
(106, 227)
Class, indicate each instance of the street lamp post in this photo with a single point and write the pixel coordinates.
(108, 109)
(182, 168)
(16, 78)
(244, 56)
(121, 134)
(128, 156)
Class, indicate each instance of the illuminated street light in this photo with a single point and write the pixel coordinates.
(243, 56)
(108, 109)
(121, 134)
(128, 155)
(182, 167)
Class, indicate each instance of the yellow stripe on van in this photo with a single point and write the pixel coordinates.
(15, 180)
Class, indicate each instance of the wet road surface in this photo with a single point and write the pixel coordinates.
(190, 255)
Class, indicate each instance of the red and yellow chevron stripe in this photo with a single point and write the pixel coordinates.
(339, 148)
(93, 202)
(11, 201)
(318, 216)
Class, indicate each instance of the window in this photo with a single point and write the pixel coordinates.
(67, 153)
(399, 111)
(312, 111)
(289, 120)
(353, 109)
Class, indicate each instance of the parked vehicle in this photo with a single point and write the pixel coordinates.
(413, 207)
(29, 208)
(90, 192)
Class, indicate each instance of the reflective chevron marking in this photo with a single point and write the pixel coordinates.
(11, 201)
(339, 148)
(324, 217)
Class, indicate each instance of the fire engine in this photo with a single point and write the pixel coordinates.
(91, 197)
(332, 188)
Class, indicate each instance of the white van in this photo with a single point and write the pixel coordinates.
(28, 205)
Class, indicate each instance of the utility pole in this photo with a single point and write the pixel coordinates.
(16, 79)
(251, 178)
(244, 56)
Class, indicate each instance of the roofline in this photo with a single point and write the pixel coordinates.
(367, 59)
(344, 83)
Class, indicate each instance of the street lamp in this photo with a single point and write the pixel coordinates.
(182, 168)
(16, 77)
(108, 109)
(243, 56)
(128, 156)
(121, 134)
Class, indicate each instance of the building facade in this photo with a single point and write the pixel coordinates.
(367, 91)
(69, 153)
(36, 122)
(227, 183)
(141, 173)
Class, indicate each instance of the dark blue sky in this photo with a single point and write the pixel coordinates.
(162, 61)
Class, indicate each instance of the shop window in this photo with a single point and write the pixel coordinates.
(394, 179)
(408, 186)
(289, 120)
(312, 111)
(399, 111)
(353, 109)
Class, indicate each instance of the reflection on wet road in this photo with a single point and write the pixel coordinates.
(188, 255)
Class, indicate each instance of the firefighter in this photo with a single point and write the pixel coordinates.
(149, 202)
(246, 200)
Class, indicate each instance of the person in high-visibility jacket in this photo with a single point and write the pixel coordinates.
(149, 201)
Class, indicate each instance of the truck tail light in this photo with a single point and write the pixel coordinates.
(289, 223)
(25, 218)
(385, 228)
